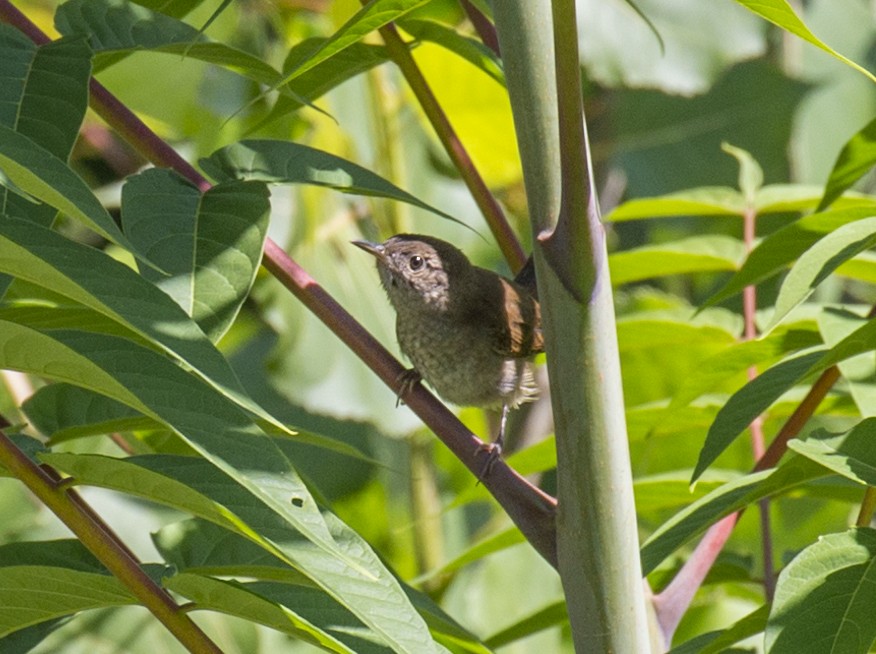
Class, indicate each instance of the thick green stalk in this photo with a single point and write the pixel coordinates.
(596, 524)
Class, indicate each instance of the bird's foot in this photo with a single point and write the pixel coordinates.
(406, 382)
(493, 452)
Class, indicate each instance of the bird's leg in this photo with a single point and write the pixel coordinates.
(406, 382)
(494, 449)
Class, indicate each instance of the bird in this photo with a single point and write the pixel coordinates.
(469, 332)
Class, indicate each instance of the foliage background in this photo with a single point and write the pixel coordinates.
(657, 119)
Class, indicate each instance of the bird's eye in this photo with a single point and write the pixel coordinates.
(416, 262)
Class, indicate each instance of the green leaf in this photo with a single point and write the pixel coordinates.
(856, 158)
(345, 567)
(858, 372)
(819, 261)
(824, 598)
(737, 358)
(779, 249)
(212, 424)
(372, 16)
(469, 49)
(749, 402)
(356, 59)
(32, 81)
(48, 178)
(116, 26)
(98, 281)
(714, 201)
(721, 201)
(482, 548)
(779, 13)
(851, 454)
(210, 245)
(64, 411)
(283, 162)
(753, 398)
(249, 602)
(68, 553)
(750, 172)
(718, 642)
(728, 498)
(553, 615)
(31, 594)
(198, 546)
(35, 79)
(690, 255)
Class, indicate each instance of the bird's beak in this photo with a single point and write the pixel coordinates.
(375, 249)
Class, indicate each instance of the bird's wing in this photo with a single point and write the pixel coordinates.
(518, 333)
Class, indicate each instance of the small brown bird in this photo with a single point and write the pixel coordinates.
(469, 332)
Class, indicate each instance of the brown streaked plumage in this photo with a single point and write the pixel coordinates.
(469, 332)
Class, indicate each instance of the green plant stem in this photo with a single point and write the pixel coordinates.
(427, 510)
(597, 539)
(868, 505)
(493, 214)
(117, 558)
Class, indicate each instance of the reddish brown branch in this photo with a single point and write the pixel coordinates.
(532, 510)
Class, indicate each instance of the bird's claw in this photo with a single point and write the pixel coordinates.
(494, 453)
(406, 382)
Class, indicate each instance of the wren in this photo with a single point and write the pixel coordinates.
(469, 332)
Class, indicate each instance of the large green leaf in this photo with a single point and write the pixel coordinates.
(723, 201)
(780, 13)
(349, 571)
(114, 26)
(858, 372)
(45, 176)
(753, 398)
(208, 245)
(283, 162)
(724, 500)
(824, 598)
(204, 548)
(98, 281)
(819, 261)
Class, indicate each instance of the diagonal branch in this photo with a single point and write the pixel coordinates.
(532, 510)
(104, 544)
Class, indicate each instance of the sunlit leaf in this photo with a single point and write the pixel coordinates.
(824, 598)
(209, 246)
(284, 162)
(822, 259)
